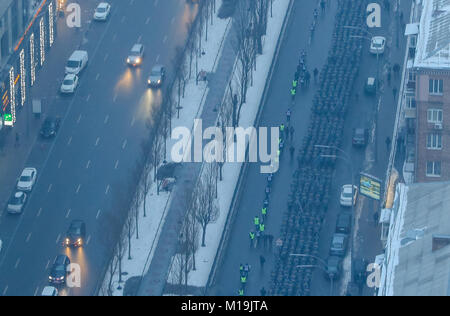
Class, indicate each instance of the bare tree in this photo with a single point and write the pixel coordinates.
(225, 119)
(191, 228)
(208, 210)
(157, 146)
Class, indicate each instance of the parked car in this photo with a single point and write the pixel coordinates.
(360, 137)
(77, 62)
(75, 234)
(377, 45)
(334, 267)
(344, 223)
(58, 272)
(339, 245)
(50, 127)
(157, 76)
(27, 179)
(136, 55)
(50, 291)
(102, 11)
(371, 86)
(17, 202)
(69, 84)
(346, 195)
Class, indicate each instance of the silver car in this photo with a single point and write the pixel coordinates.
(136, 55)
(17, 202)
(157, 76)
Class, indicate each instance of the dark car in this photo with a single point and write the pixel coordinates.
(334, 267)
(75, 234)
(360, 136)
(344, 223)
(157, 76)
(50, 127)
(371, 86)
(339, 245)
(58, 273)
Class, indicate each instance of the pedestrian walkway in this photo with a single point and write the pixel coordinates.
(153, 283)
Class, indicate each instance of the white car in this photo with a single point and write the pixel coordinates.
(346, 195)
(136, 55)
(102, 11)
(17, 202)
(27, 179)
(69, 84)
(50, 291)
(377, 45)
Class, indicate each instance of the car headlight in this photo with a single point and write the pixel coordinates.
(50, 278)
(138, 60)
(159, 81)
(128, 60)
(149, 81)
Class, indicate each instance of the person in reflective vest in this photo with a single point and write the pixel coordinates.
(252, 238)
(256, 221)
(262, 227)
(294, 83)
(243, 279)
(241, 292)
(264, 212)
(293, 93)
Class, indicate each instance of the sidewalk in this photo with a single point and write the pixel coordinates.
(14, 158)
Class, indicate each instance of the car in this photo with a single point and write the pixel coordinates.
(69, 84)
(344, 223)
(334, 267)
(75, 234)
(360, 137)
(136, 55)
(377, 45)
(157, 76)
(371, 86)
(27, 180)
(50, 127)
(102, 11)
(77, 62)
(58, 272)
(339, 245)
(17, 202)
(346, 195)
(50, 291)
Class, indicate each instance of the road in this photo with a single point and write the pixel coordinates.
(96, 147)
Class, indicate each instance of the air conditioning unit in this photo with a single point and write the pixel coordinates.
(438, 126)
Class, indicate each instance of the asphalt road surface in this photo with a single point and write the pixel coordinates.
(96, 146)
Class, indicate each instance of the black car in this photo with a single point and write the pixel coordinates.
(58, 273)
(50, 127)
(334, 267)
(75, 234)
(344, 223)
(360, 137)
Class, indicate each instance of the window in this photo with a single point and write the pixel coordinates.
(412, 76)
(433, 169)
(436, 86)
(434, 116)
(434, 141)
(410, 102)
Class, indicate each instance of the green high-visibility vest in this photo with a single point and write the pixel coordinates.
(243, 279)
(241, 292)
(278, 152)
(241, 268)
(256, 220)
(261, 227)
(252, 236)
(282, 127)
(264, 211)
(293, 91)
(294, 83)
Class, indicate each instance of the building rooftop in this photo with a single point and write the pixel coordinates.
(433, 43)
(417, 258)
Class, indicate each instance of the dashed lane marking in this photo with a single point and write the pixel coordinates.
(49, 188)
(59, 164)
(17, 263)
(78, 189)
(39, 212)
(97, 141)
(57, 238)
(4, 291)
(88, 164)
(147, 21)
(70, 141)
(116, 165)
(68, 213)
(106, 119)
(107, 189)
(28, 238)
(124, 144)
(98, 214)
(36, 291)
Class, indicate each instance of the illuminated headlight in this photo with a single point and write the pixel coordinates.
(67, 241)
(79, 241)
(50, 278)
(159, 81)
(138, 60)
(149, 81)
(128, 60)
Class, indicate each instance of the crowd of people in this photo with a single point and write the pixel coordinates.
(310, 189)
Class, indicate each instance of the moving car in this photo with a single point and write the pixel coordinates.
(50, 291)
(27, 179)
(69, 84)
(334, 267)
(344, 223)
(377, 45)
(360, 137)
(136, 55)
(346, 195)
(157, 76)
(102, 11)
(50, 127)
(75, 234)
(58, 273)
(77, 62)
(17, 202)
(339, 245)
(371, 86)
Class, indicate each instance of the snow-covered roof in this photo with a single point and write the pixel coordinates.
(411, 267)
(433, 43)
(412, 29)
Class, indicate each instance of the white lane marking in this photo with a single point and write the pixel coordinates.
(106, 57)
(17, 263)
(48, 264)
(165, 39)
(70, 141)
(133, 121)
(98, 76)
(147, 21)
(122, 19)
(39, 212)
(88, 240)
(4, 291)
(88, 98)
(98, 214)
(131, 1)
(124, 144)
(57, 238)
(157, 58)
(68, 213)
(78, 189)
(88, 164)
(139, 39)
(107, 189)
(49, 188)
(106, 119)
(79, 119)
(59, 164)
(115, 98)
(97, 141)
(28, 238)
(116, 165)
(156, 3)
(36, 291)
